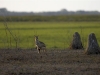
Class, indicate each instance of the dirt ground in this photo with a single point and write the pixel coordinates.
(53, 62)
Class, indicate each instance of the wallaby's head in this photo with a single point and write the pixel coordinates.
(36, 37)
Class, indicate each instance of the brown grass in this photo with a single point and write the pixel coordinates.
(56, 62)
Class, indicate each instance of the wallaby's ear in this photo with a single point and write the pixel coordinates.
(35, 35)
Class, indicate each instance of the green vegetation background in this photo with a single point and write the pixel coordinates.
(53, 34)
(65, 18)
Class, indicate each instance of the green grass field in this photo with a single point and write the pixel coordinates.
(53, 34)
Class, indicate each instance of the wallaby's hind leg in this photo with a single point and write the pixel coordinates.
(38, 50)
(44, 49)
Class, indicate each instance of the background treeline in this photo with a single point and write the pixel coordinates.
(51, 18)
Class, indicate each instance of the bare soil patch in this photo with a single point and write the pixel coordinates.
(55, 62)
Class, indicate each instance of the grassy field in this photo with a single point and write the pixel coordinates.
(53, 34)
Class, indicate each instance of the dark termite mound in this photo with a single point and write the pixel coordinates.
(76, 42)
(92, 45)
